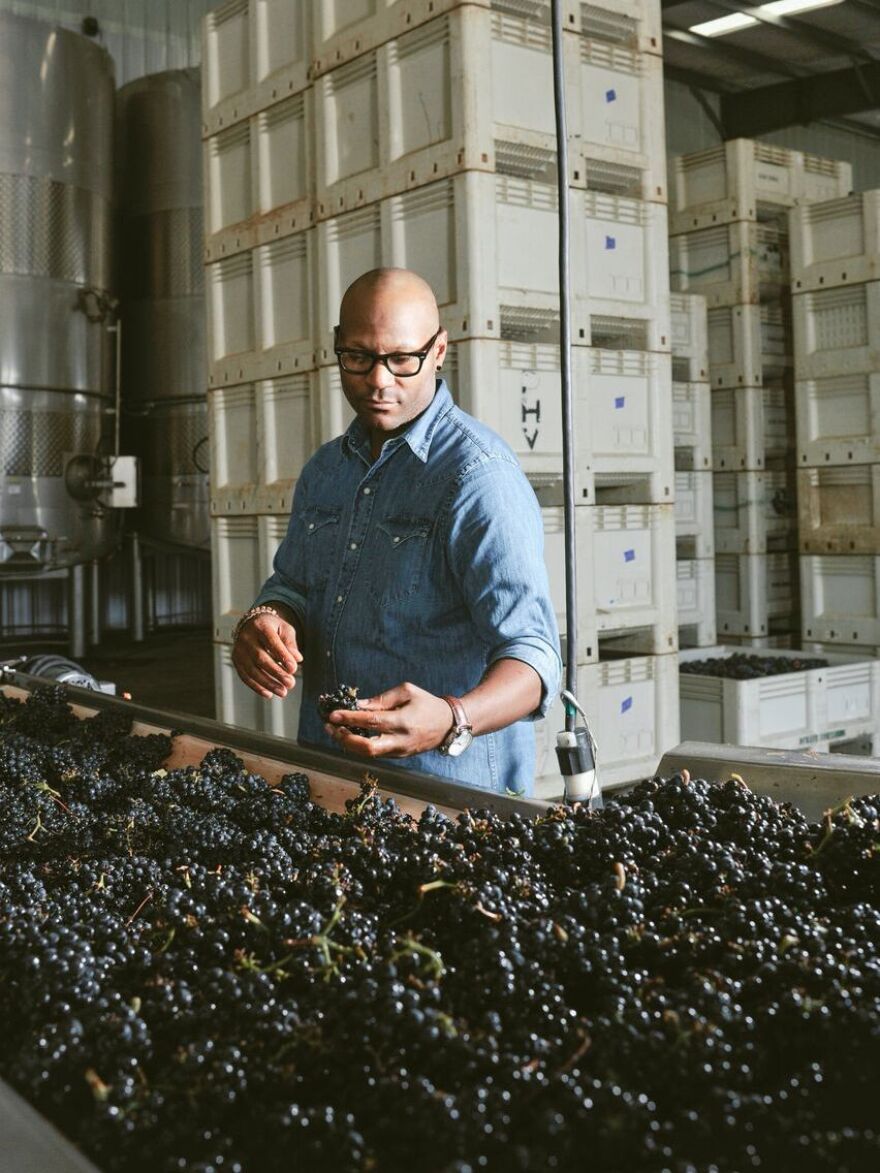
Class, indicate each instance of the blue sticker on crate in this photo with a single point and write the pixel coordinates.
(619, 401)
(626, 704)
(611, 95)
(610, 242)
(629, 555)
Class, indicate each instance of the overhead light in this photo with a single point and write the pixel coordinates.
(790, 7)
(734, 21)
(731, 23)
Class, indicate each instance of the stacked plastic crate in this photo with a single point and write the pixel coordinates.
(692, 424)
(730, 243)
(257, 116)
(835, 253)
(430, 131)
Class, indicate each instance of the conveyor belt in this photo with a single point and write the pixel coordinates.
(333, 777)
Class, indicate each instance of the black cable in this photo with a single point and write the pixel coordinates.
(568, 484)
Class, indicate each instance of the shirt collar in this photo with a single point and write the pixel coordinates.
(418, 435)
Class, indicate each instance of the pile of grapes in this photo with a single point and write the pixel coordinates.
(201, 973)
(745, 666)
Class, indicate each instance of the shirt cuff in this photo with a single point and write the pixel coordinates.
(546, 661)
(281, 594)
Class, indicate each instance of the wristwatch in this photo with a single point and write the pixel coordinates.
(461, 734)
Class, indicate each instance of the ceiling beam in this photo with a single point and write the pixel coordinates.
(800, 101)
(805, 32)
(750, 58)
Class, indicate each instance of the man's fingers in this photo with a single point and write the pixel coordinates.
(266, 662)
(392, 698)
(380, 720)
(284, 653)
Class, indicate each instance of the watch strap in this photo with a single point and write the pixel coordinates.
(459, 716)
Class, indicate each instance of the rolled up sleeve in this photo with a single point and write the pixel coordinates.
(285, 584)
(496, 550)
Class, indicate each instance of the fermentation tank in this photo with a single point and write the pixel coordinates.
(56, 309)
(159, 154)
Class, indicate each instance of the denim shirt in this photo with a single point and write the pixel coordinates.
(425, 565)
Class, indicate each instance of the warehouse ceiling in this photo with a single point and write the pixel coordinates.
(820, 65)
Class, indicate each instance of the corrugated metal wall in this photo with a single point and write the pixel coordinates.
(142, 36)
(689, 128)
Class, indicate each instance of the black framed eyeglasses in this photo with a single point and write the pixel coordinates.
(401, 364)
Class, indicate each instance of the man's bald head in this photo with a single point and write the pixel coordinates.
(389, 299)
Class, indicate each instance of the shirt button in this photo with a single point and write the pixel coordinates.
(339, 598)
(328, 655)
(396, 540)
(367, 492)
(311, 525)
(353, 546)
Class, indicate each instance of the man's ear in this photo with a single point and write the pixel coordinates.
(440, 347)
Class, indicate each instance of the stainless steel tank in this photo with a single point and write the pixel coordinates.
(164, 363)
(56, 352)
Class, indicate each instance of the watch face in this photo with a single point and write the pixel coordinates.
(460, 743)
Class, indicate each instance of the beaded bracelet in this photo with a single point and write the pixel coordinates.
(252, 614)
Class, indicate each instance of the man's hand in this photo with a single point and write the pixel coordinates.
(407, 720)
(266, 655)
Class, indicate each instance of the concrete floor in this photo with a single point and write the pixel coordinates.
(171, 670)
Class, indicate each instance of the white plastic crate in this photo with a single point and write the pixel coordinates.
(284, 431)
(238, 705)
(345, 29)
(747, 180)
(731, 264)
(398, 116)
(692, 425)
(626, 576)
(695, 582)
(229, 286)
(622, 419)
(633, 566)
(632, 708)
(839, 509)
(689, 340)
(225, 53)
(785, 640)
(254, 53)
(465, 236)
(750, 426)
(281, 138)
(838, 419)
(837, 331)
(755, 512)
(793, 710)
(229, 196)
(749, 345)
(237, 572)
(754, 590)
(259, 178)
(694, 533)
(280, 39)
(260, 304)
(261, 436)
(836, 242)
(554, 557)
(235, 462)
(284, 302)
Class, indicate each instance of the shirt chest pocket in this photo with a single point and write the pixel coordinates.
(400, 555)
(321, 533)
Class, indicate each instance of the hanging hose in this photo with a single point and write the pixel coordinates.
(575, 747)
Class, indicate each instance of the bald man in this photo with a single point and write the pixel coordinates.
(412, 568)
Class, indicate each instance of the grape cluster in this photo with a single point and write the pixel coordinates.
(745, 666)
(344, 696)
(199, 972)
